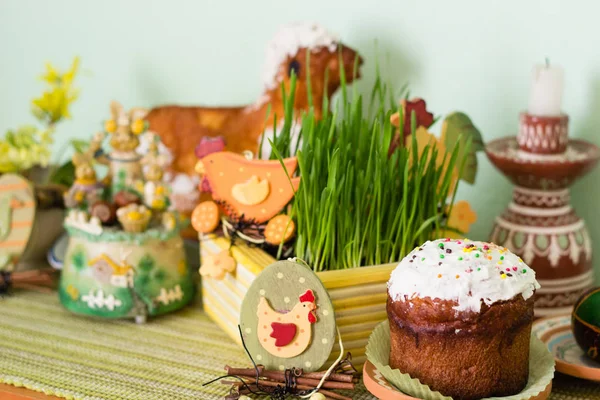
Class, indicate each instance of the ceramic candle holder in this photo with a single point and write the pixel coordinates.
(543, 135)
(540, 224)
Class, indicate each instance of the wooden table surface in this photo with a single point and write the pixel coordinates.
(8, 392)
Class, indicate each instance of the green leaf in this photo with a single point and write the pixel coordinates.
(160, 276)
(64, 175)
(79, 259)
(458, 128)
(146, 263)
(80, 146)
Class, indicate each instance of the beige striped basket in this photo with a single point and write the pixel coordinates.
(358, 295)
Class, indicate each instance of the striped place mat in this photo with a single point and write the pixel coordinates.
(45, 348)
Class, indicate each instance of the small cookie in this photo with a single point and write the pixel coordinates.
(217, 266)
(205, 217)
(104, 211)
(279, 229)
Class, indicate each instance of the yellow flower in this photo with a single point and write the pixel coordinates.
(51, 76)
(158, 204)
(138, 126)
(169, 221)
(160, 190)
(182, 268)
(134, 215)
(425, 138)
(68, 76)
(73, 292)
(110, 126)
(79, 195)
(461, 218)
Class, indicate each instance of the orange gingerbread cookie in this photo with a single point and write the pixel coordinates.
(279, 229)
(205, 218)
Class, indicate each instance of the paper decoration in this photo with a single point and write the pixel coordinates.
(254, 189)
(457, 127)
(287, 318)
(17, 214)
(252, 192)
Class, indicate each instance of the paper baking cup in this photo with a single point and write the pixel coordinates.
(541, 368)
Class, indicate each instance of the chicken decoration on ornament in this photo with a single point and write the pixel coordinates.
(291, 331)
(287, 318)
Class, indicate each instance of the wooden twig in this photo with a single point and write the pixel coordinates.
(34, 288)
(333, 376)
(333, 381)
(252, 384)
(280, 377)
(244, 371)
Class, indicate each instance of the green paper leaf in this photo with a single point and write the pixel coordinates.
(458, 128)
(64, 175)
(146, 263)
(80, 146)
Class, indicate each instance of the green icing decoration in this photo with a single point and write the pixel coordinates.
(563, 241)
(160, 275)
(79, 259)
(502, 236)
(579, 237)
(542, 242)
(519, 239)
(115, 235)
(142, 280)
(146, 263)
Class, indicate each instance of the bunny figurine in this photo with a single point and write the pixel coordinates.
(86, 188)
(123, 161)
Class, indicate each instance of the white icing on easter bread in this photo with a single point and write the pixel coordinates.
(289, 40)
(467, 272)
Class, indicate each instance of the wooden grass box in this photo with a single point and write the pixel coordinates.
(358, 295)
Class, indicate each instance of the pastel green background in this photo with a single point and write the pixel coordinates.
(469, 55)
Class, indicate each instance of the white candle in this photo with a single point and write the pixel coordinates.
(546, 90)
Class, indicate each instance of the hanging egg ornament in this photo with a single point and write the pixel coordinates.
(585, 322)
(287, 318)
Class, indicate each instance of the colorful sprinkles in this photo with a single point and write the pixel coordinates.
(471, 249)
(464, 269)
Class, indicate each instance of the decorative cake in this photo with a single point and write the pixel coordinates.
(460, 316)
(125, 257)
